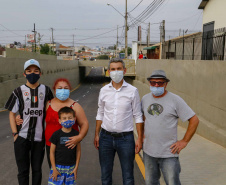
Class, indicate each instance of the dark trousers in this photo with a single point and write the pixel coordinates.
(29, 153)
(125, 148)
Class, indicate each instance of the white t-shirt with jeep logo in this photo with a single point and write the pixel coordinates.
(30, 103)
(161, 123)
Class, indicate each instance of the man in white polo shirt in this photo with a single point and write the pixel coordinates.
(118, 103)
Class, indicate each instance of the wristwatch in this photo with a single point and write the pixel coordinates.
(14, 134)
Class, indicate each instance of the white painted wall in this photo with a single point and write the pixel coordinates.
(134, 50)
(215, 11)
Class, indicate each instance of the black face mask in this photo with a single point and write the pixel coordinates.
(32, 78)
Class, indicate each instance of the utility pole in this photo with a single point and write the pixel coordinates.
(126, 29)
(163, 31)
(116, 43)
(39, 40)
(25, 44)
(148, 35)
(183, 47)
(34, 36)
(162, 38)
(73, 40)
(52, 39)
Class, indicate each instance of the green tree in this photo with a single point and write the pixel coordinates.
(79, 51)
(103, 57)
(111, 47)
(129, 50)
(44, 49)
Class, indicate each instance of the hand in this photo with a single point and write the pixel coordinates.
(15, 137)
(75, 173)
(138, 145)
(73, 141)
(18, 120)
(96, 141)
(178, 146)
(54, 175)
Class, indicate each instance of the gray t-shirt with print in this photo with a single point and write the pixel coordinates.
(161, 123)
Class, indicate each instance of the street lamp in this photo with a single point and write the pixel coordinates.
(116, 9)
(126, 27)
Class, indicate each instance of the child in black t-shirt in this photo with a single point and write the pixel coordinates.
(64, 160)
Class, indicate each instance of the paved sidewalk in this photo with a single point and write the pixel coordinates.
(202, 162)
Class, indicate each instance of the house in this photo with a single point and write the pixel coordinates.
(213, 14)
(1, 50)
(64, 51)
(153, 52)
(81, 48)
(213, 42)
(138, 46)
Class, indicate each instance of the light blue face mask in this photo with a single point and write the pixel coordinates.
(157, 91)
(68, 123)
(62, 94)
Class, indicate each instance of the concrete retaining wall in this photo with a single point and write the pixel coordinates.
(11, 72)
(200, 83)
(13, 53)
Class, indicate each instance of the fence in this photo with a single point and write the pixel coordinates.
(198, 46)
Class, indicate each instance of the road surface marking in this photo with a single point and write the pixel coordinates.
(140, 164)
(76, 88)
(3, 110)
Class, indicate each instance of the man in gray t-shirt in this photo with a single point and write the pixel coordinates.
(161, 111)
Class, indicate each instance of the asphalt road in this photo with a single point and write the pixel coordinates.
(89, 169)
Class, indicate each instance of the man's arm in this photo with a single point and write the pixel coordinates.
(12, 120)
(144, 118)
(99, 118)
(140, 132)
(97, 132)
(138, 116)
(179, 145)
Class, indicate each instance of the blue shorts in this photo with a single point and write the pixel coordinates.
(65, 177)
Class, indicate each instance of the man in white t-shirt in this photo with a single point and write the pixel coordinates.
(161, 110)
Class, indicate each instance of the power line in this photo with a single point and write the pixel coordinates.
(10, 30)
(182, 20)
(197, 20)
(99, 34)
(152, 8)
(143, 14)
(135, 6)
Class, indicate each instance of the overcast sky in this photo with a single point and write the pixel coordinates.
(88, 18)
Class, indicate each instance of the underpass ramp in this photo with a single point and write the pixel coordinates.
(129, 63)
